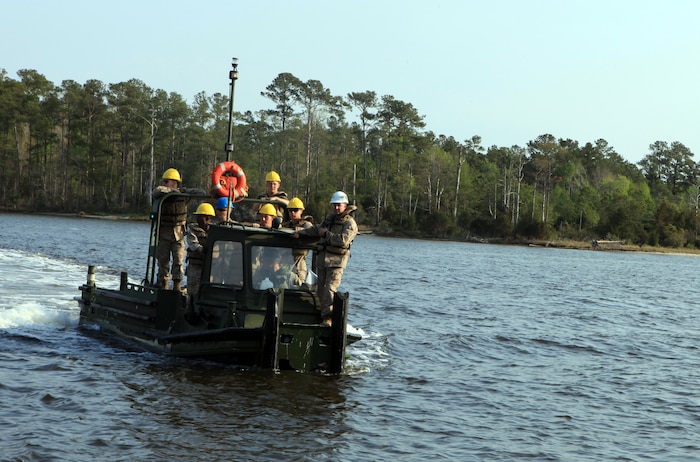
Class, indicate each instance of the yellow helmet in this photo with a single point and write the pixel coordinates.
(172, 174)
(268, 209)
(295, 203)
(205, 209)
(273, 176)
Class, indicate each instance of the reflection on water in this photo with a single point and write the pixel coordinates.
(469, 352)
(219, 409)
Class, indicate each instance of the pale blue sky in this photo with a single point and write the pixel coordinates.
(506, 70)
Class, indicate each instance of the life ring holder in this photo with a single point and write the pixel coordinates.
(229, 176)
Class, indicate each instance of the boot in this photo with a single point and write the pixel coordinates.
(163, 283)
(190, 315)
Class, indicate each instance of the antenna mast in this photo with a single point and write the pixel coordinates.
(233, 75)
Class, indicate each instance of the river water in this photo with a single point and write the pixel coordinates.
(470, 352)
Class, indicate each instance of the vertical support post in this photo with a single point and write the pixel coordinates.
(91, 276)
(275, 299)
(339, 332)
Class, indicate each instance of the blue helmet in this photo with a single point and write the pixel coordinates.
(222, 203)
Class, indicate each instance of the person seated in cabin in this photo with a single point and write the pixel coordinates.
(271, 268)
(273, 193)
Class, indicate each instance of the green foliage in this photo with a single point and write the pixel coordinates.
(531, 229)
(627, 210)
(436, 225)
(90, 147)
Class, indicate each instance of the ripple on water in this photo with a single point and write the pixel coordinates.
(469, 352)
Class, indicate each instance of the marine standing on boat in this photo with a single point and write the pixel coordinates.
(171, 237)
(171, 240)
(297, 221)
(273, 193)
(337, 231)
(196, 248)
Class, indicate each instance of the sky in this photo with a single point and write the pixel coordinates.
(505, 70)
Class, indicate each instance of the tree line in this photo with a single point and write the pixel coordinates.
(97, 147)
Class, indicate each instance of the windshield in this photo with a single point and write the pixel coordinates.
(227, 263)
(281, 267)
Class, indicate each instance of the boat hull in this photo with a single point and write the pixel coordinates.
(262, 336)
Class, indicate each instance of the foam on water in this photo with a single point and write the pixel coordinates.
(33, 314)
(368, 354)
(40, 292)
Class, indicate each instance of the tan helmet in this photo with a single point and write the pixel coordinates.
(273, 176)
(205, 209)
(172, 174)
(268, 209)
(295, 203)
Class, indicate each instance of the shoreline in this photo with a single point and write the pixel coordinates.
(567, 244)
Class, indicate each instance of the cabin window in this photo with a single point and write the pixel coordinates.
(227, 263)
(279, 267)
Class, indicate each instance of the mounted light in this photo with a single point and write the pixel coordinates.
(233, 75)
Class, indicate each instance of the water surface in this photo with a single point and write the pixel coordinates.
(470, 352)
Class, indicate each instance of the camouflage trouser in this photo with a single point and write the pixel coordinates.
(168, 246)
(194, 276)
(328, 283)
(300, 265)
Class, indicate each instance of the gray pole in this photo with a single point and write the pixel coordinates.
(233, 75)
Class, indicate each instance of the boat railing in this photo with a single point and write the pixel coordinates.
(155, 217)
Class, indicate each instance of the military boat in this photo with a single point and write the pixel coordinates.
(246, 312)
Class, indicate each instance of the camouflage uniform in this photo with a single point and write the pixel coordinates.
(299, 254)
(196, 243)
(334, 254)
(171, 238)
(278, 195)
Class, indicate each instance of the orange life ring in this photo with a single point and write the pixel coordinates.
(229, 176)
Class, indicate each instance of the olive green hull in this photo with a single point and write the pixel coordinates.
(259, 338)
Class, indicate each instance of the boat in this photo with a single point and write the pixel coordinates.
(239, 316)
